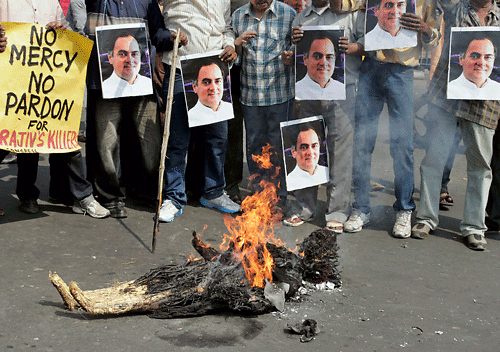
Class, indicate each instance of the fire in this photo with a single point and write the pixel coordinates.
(254, 228)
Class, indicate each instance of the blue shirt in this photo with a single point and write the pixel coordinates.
(145, 10)
(265, 80)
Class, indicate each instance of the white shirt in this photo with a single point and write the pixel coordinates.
(31, 11)
(206, 23)
(203, 115)
(116, 87)
(298, 178)
(307, 89)
(462, 88)
(378, 39)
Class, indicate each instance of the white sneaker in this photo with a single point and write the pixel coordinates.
(168, 211)
(402, 226)
(222, 203)
(356, 221)
(91, 207)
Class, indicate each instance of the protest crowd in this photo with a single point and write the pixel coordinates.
(258, 40)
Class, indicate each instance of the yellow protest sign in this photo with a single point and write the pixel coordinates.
(41, 89)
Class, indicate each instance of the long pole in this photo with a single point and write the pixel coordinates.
(166, 134)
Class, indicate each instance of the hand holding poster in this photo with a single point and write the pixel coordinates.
(472, 73)
(43, 80)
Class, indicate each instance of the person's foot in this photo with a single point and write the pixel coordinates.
(402, 225)
(29, 206)
(445, 199)
(222, 203)
(335, 226)
(116, 209)
(293, 221)
(91, 207)
(59, 200)
(10, 159)
(356, 221)
(376, 187)
(2, 212)
(476, 242)
(420, 231)
(168, 211)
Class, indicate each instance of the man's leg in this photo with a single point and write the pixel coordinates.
(369, 105)
(215, 145)
(440, 135)
(28, 193)
(340, 134)
(493, 206)
(256, 129)
(479, 150)
(175, 162)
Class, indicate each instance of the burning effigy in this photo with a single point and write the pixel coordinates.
(252, 272)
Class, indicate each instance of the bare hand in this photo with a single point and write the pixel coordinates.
(288, 57)
(244, 38)
(414, 22)
(297, 34)
(3, 39)
(229, 54)
(56, 25)
(350, 48)
(183, 39)
(344, 45)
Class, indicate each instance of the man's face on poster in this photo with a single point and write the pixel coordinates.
(388, 14)
(306, 152)
(126, 58)
(320, 61)
(478, 61)
(209, 86)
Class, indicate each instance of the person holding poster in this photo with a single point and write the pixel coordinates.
(478, 120)
(338, 116)
(205, 27)
(123, 134)
(264, 31)
(477, 63)
(209, 87)
(318, 83)
(67, 182)
(389, 33)
(386, 76)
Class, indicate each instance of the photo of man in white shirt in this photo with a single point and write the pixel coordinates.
(388, 33)
(318, 83)
(477, 62)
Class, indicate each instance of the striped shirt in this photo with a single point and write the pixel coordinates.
(205, 22)
(482, 112)
(426, 9)
(265, 80)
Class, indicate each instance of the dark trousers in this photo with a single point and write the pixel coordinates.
(67, 179)
(493, 205)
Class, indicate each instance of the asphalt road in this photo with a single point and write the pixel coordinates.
(397, 295)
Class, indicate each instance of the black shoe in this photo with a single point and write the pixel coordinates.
(29, 206)
(57, 200)
(116, 209)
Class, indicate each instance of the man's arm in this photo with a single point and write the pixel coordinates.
(3, 39)
(229, 54)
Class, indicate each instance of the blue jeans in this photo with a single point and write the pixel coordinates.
(381, 83)
(262, 125)
(215, 143)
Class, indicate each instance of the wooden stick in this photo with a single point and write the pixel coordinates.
(166, 134)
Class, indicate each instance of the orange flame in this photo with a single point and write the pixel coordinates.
(254, 228)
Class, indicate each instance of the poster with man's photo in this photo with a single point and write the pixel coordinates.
(382, 27)
(207, 88)
(472, 73)
(124, 60)
(304, 152)
(320, 73)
